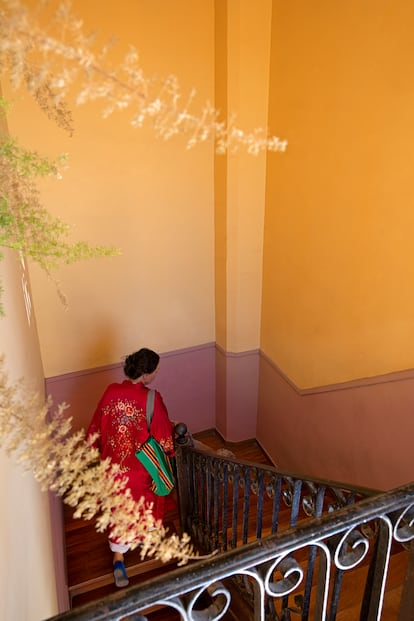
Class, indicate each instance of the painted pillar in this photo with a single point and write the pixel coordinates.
(27, 571)
(242, 80)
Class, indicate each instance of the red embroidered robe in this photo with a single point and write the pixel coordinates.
(120, 420)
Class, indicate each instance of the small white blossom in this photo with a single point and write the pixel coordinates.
(75, 65)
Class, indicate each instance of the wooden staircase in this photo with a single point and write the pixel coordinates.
(89, 560)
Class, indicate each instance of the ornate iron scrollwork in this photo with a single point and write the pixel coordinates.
(292, 575)
(404, 525)
(351, 549)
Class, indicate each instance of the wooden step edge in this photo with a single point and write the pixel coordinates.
(104, 580)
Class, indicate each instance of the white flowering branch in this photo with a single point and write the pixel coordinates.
(51, 66)
(68, 465)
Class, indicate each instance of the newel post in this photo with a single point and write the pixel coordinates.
(183, 440)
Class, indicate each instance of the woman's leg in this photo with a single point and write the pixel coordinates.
(120, 574)
(118, 556)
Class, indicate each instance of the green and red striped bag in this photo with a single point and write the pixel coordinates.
(153, 458)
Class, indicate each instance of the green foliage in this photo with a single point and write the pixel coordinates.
(4, 107)
(25, 224)
(28, 163)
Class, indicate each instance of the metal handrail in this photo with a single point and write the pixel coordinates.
(272, 566)
(224, 499)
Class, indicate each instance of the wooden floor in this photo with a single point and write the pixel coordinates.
(89, 560)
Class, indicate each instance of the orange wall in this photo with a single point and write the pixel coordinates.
(338, 301)
(220, 175)
(242, 39)
(247, 87)
(337, 331)
(152, 199)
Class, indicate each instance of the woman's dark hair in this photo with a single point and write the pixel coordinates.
(141, 362)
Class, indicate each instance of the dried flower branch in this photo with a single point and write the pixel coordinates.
(68, 465)
(51, 66)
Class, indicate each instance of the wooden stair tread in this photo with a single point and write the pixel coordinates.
(89, 561)
(144, 567)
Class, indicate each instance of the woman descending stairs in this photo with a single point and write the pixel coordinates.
(89, 560)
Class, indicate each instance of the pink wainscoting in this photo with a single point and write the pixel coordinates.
(188, 385)
(237, 381)
(186, 381)
(358, 432)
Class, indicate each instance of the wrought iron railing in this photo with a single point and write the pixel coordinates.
(226, 502)
(335, 554)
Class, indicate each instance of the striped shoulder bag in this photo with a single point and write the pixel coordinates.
(153, 458)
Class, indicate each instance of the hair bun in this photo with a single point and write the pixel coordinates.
(140, 362)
